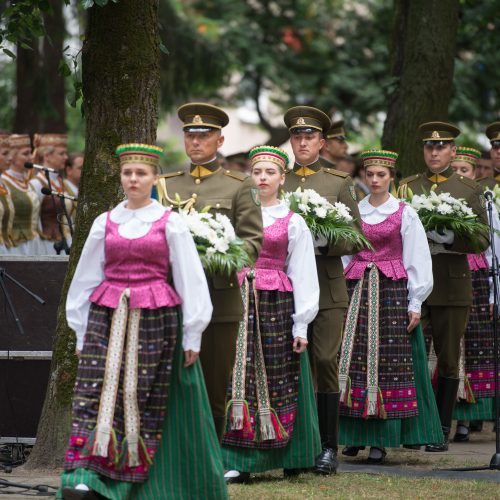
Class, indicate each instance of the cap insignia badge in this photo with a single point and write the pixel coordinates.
(435, 135)
(197, 120)
(300, 121)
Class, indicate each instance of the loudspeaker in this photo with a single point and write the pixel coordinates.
(25, 359)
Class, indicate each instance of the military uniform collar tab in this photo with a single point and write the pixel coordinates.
(447, 172)
(316, 165)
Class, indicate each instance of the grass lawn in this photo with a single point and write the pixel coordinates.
(354, 486)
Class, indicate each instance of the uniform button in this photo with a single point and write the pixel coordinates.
(217, 205)
(197, 181)
(179, 172)
(227, 171)
(231, 285)
(303, 179)
(194, 195)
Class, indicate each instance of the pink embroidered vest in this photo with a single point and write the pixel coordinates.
(477, 261)
(140, 264)
(269, 268)
(387, 255)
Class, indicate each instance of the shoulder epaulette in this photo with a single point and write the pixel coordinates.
(409, 179)
(171, 174)
(338, 173)
(469, 182)
(236, 175)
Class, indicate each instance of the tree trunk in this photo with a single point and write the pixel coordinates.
(25, 118)
(52, 108)
(423, 52)
(39, 85)
(120, 64)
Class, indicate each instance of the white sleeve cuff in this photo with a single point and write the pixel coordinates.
(191, 341)
(415, 306)
(299, 330)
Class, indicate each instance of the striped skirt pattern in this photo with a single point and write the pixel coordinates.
(188, 462)
(282, 368)
(396, 380)
(304, 446)
(422, 429)
(157, 340)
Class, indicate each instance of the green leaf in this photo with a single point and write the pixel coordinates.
(64, 69)
(9, 53)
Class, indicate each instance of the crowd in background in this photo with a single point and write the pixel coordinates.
(32, 222)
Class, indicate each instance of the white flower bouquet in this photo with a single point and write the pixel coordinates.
(220, 250)
(440, 212)
(331, 221)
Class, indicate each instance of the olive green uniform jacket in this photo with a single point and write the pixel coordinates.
(334, 186)
(452, 277)
(233, 194)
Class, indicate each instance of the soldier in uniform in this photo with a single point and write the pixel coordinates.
(233, 194)
(307, 126)
(335, 146)
(493, 134)
(447, 308)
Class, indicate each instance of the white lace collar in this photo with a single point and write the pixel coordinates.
(387, 208)
(276, 211)
(150, 213)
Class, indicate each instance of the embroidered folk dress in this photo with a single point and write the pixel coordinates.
(134, 399)
(272, 419)
(25, 236)
(6, 217)
(50, 232)
(386, 395)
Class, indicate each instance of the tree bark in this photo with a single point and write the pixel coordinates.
(120, 65)
(25, 118)
(422, 63)
(39, 85)
(52, 110)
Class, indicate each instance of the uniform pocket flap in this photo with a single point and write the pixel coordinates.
(334, 268)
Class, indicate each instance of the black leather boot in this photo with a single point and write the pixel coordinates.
(446, 396)
(328, 415)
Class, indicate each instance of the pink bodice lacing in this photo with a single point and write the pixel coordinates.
(387, 255)
(140, 264)
(477, 261)
(270, 266)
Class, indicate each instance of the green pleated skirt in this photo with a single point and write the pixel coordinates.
(302, 449)
(188, 463)
(483, 409)
(425, 428)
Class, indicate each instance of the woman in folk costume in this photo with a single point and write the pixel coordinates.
(386, 394)
(477, 382)
(25, 236)
(141, 424)
(6, 209)
(51, 152)
(271, 419)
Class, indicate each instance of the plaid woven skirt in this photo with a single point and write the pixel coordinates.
(396, 381)
(478, 339)
(188, 462)
(157, 340)
(282, 367)
(422, 429)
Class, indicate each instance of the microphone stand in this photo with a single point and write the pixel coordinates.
(61, 245)
(495, 459)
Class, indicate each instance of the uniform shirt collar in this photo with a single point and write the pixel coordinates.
(387, 208)
(447, 172)
(150, 213)
(211, 165)
(316, 165)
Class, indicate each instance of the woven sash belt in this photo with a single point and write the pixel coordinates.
(268, 427)
(125, 323)
(373, 404)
